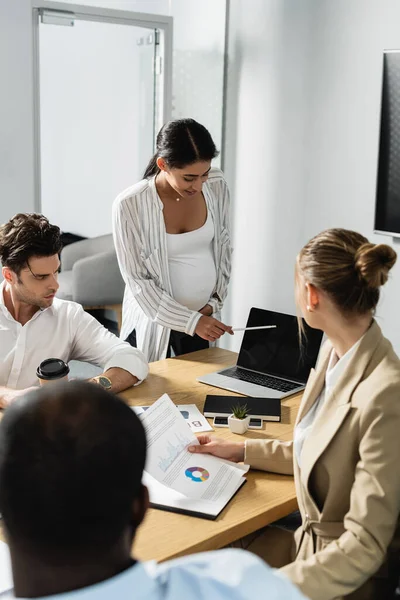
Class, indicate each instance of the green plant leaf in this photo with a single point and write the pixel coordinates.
(239, 411)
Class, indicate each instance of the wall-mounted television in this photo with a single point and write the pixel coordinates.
(387, 206)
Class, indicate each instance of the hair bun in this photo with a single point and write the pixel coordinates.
(373, 263)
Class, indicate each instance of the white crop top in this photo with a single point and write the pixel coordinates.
(192, 266)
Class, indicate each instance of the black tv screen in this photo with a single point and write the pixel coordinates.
(387, 207)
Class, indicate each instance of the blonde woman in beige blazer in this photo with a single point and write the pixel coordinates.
(345, 456)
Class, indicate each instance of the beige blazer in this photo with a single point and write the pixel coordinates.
(348, 489)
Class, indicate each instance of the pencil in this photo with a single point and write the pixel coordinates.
(253, 328)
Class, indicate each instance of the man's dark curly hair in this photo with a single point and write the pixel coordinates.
(25, 236)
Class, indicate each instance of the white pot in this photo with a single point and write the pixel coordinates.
(238, 425)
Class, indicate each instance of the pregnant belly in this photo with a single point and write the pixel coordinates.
(193, 282)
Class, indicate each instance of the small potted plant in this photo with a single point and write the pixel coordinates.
(239, 420)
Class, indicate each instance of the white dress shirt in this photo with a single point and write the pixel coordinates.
(65, 331)
(336, 368)
(191, 265)
(220, 575)
(140, 240)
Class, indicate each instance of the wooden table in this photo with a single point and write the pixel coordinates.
(263, 499)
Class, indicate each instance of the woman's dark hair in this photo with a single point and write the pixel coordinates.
(25, 236)
(180, 143)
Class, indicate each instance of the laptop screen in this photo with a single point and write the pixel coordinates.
(277, 351)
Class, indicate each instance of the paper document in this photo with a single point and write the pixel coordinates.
(199, 476)
(193, 417)
(6, 581)
(166, 498)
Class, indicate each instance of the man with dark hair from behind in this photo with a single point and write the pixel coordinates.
(71, 463)
(35, 326)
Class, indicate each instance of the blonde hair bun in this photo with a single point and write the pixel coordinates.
(373, 263)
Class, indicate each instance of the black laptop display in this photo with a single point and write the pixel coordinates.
(277, 351)
(272, 362)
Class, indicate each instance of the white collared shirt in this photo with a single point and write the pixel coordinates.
(62, 331)
(220, 575)
(336, 368)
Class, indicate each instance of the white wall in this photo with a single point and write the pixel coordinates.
(265, 156)
(198, 63)
(16, 109)
(302, 141)
(343, 125)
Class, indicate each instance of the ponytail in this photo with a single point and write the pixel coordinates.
(152, 168)
(180, 143)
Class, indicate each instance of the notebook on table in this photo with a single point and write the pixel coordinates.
(267, 409)
(271, 362)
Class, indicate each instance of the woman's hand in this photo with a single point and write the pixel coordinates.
(211, 329)
(206, 310)
(233, 451)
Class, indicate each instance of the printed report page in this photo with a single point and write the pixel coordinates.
(199, 476)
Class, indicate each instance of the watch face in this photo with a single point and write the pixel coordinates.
(105, 382)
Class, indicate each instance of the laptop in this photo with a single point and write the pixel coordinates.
(271, 362)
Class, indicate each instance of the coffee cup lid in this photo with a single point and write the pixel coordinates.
(52, 368)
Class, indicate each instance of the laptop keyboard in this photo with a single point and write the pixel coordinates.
(259, 379)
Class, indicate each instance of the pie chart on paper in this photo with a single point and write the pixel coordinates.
(197, 474)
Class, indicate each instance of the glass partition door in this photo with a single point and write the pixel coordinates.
(99, 108)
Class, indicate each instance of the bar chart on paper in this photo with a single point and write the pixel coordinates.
(172, 451)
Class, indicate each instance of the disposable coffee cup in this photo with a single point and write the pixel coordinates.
(52, 369)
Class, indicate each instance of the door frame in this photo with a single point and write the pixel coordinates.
(163, 23)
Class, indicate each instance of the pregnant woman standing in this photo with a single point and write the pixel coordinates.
(171, 234)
